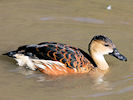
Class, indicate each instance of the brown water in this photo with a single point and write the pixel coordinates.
(72, 22)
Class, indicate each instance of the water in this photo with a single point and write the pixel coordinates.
(72, 22)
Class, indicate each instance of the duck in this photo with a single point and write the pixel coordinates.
(53, 58)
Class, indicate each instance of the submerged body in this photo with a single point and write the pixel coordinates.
(57, 59)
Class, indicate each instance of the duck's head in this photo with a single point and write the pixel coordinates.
(101, 45)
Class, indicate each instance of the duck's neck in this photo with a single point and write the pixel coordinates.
(100, 61)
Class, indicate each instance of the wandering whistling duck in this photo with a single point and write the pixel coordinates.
(60, 59)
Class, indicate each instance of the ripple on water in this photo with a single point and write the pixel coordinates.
(88, 20)
(118, 87)
(103, 85)
(79, 19)
(47, 18)
(126, 89)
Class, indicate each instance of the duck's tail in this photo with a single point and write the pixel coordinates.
(10, 54)
(20, 50)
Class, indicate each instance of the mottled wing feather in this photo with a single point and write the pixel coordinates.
(70, 56)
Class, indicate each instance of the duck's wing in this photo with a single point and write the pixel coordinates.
(70, 56)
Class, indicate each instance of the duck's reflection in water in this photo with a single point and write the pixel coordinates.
(99, 83)
(93, 80)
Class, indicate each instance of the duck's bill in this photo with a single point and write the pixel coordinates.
(119, 56)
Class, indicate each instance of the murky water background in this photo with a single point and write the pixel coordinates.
(72, 22)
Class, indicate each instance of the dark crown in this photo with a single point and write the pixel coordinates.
(101, 37)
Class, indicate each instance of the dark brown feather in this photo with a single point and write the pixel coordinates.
(70, 56)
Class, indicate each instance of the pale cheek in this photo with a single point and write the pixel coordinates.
(110, 51)
(107, 51)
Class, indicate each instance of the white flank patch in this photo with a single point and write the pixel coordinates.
(25, 61)
(58, 68)
(49, 66)
(31, 63)
(49, 63)
(41, 66)
(19, 61)
(75, 69)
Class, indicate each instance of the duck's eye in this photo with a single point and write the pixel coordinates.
(106, 45)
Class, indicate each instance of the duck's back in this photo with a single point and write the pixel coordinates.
(72, 57)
